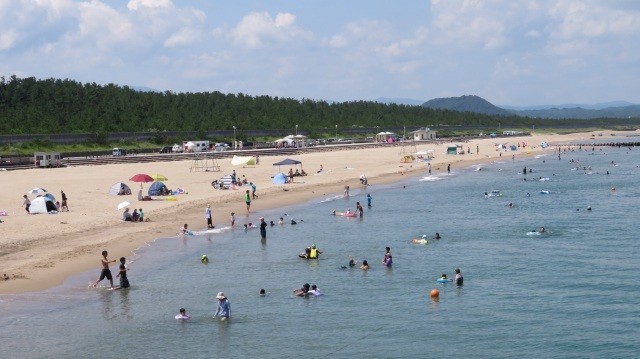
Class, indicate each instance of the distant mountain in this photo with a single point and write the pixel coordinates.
(597, 106)
(632, 111)
(399, 101)
(615, 109)
(468, 103)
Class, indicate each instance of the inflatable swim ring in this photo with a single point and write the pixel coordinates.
(345, 214)
(443, 280)
(419, 241)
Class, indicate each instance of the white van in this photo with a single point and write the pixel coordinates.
(117, 152)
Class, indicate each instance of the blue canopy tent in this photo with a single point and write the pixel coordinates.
(280, 178)
(158, 189)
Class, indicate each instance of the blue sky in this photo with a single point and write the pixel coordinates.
(524, 52)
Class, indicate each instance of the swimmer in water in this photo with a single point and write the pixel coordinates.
(182, 315)
(365, 265)
(281, 221)
(185, 229)
(437, 236)
(541, 230)
(204, 259)
(263, 293)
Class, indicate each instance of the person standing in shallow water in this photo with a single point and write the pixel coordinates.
(458, 279)
(449, 168)
(106, 272)
(124, 281)
(224, 308)
(263, 228)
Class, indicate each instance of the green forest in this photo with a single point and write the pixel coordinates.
(49, 106)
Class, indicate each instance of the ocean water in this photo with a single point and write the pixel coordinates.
(571, 292)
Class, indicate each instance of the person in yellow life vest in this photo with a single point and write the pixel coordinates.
(314, 252)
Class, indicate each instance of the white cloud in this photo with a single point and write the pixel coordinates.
(336, 41)
(149, 4)
(258, 29)
(184, 36)
(7, 39)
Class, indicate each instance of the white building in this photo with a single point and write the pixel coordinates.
(423, 134)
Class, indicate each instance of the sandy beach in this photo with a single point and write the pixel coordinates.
(40, 251)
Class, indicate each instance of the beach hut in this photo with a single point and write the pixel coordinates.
(42, 205)
(119, 189)
(424, 133)
(46, 159)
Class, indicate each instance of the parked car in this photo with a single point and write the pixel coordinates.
(166, 149)
(117, 152)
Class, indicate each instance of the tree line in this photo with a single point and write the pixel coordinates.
(48, 106)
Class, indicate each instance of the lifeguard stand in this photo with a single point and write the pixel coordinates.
(204, 163)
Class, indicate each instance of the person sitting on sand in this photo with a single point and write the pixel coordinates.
(126, 216)
(135, 217)
(303, 173)
(321, 169)
(182, 315)
(141, 219)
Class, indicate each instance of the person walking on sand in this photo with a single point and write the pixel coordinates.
(224, 308)
(247, 200)
(253, 190)
(208, 216)
(26, 203)
(105, 273)
(63, 205)
(124, 281)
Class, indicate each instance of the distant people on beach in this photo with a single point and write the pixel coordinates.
(64, 206)
(124, 281)
(135, 216)
(346, 191)
(105, 272)
(449, 168)
(141, 219)
(233, 219)
(208, 216)
(253, 190)
(247, 201)
(224, 307)
(26, 203)
(321, 169)
(185, 229)
(182, 315)
(126, 216)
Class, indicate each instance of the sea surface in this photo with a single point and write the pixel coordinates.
(572, 292)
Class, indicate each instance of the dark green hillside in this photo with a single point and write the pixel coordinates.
(29, 106)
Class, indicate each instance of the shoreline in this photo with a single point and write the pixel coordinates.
(37, 261)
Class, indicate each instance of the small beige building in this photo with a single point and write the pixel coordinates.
(423, 134)
(46, 159)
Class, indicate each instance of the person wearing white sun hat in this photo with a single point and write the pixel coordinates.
(224, 308)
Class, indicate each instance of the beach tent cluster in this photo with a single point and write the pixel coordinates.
(281, 178)
(43, 204)
(120, 189)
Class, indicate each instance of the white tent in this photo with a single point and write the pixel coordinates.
(243, 160)
(119, 189)
(42, 205)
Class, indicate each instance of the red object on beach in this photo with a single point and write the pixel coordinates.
(141, 177)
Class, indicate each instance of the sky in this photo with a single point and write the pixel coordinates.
(524, 52)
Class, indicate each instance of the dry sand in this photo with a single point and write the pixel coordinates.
(40, 251)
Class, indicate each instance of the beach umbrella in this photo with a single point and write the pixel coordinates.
(141, 177)
(38, 191)
(159, 177)
(122, 205)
